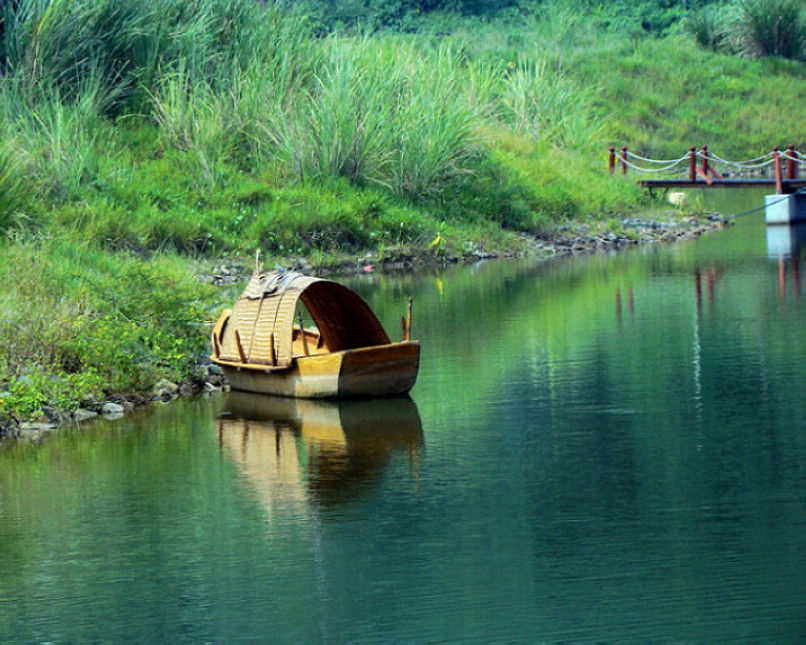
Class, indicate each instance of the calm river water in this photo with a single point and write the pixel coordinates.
(603, 448)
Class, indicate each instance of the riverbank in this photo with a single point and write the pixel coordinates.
(568, 240)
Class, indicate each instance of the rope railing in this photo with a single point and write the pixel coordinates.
(711, 166)
(671, 165)
(740, 163)
(658, 161)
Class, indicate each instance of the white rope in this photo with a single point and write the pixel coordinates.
(639, 169)
(736, 164)
(635, 156)
(749, 164)
(711, 155)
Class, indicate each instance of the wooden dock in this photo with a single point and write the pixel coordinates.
(788, 186)
(786, 181)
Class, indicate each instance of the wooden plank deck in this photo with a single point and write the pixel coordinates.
(789, 185)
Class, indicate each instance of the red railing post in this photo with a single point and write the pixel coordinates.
(705, 160)
(779, 184)
(692, 164)
(611, 159)
(623, 160)
(791, 164)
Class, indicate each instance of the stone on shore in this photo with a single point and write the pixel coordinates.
(82, 414)
(165, 390)
(112, 410)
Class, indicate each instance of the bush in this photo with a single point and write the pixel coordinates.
(709, 26)
(770, 28)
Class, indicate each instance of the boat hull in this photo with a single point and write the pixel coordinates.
(382, 370)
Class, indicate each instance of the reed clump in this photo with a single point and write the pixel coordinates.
(770, 28)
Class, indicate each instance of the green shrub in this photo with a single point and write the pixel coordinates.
(709, 26)
(75, 320)
(770, 28)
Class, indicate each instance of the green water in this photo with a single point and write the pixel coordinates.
(604, 448)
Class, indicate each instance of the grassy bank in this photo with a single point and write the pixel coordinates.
(140, 144)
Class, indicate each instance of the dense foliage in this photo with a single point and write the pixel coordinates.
(139, 138)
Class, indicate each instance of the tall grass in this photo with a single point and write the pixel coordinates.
(12, 188)
(541, 103)
(770, 28)
(130, 44)
(709, 26)
(198, 122)
(56, 139)
(382, 112)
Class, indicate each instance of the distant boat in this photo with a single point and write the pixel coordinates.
(262, 346)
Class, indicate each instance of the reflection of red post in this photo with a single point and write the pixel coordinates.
(618, 305)
(623, 160)
(781, 279)
(698, 289)
(692, 164)
(611, 159)
(796, 275)
(779, 184)
(711, 284)
(791, 164)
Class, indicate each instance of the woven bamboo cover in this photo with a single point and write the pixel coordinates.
(264, 319)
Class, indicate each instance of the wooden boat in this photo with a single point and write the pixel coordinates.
(262, 346)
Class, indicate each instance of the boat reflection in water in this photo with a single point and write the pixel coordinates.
(297, 451)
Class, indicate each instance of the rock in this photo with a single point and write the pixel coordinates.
(215, 370)
(35, 430)
(9, 427)
(210, 388)
(112, 410)
(82, 414)
(54, 416)
(165, 390)
(187, 389)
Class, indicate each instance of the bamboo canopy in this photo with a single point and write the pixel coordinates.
(261, 327)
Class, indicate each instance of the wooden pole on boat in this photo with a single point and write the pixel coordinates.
(302, 331)
(216, 345)
(238, 344)
(408, 320)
